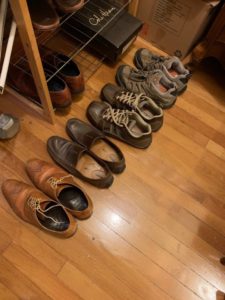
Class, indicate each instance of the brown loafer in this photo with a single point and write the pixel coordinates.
(69, 6)
(24, 83)
(61, 187)
(79, 161)
(94, 140)
(36, 208)
(43, 15)
(70, 72)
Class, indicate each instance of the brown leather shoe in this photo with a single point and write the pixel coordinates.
(43, 15)
(94, 140)
(69, 6)
(24, 83)
(61, 187)
(34, 207)
(70, 72)
(79, 161)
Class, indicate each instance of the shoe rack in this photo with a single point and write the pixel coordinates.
(31, 40)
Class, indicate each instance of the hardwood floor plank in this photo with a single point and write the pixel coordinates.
(38, 274)
(157, 233)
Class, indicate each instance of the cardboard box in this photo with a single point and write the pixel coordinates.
(115, 38)
(175, 26)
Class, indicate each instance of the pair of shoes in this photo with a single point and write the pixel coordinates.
(90, 156)
(9, 126)
(160, 78)
(68, 81)
(53, 203)
(44, 15)
(171, 66)
(125, 115)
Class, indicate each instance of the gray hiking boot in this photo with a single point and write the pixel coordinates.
(171, 66)
(9, 126)
(153, 84)
(123, 99)
(124, 125)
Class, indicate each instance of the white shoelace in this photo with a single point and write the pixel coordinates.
(117, 116)
(54, 181)
(35, 204)
(130, 98)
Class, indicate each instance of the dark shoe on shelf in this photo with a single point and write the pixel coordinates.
(124, 125)
(69, 70)
(69, 6)
(121, 98)
(61, 187)
(43, 14)
(24, 83)
(153, 84)
(96, 142)
(80, 162)
(36, 208)
(9, 126)
(171, 66)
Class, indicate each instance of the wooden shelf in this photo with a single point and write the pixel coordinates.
(28, 39)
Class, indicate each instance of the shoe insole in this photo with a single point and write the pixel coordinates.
(173, 72)
(73, 198)
(105, 151)
(54, 218)
(135, 129)
(162, 88)
(147, 113)
(90, 168)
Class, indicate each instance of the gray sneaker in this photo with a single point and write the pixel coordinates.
(121, 98)
(9, 126)
(153, 84)
(171, 66)
(124, 125)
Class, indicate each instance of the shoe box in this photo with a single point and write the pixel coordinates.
(118, 28)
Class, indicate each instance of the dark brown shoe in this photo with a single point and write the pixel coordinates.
(61, 187)
(43, 15)
(79, 161)
(69, 6)
(24, 83)
(95, 141)
(36, 208)
(124, 125)
(70, 72)
(121, 98)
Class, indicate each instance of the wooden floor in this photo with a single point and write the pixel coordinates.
(157, 233)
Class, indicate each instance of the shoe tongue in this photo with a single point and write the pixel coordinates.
(142, 103)
(44, 206)
(131, 124)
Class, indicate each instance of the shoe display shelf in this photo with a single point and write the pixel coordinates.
(27, 57)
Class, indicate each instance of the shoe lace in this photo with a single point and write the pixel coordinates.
(130, 98)
(54, 181)
(117, 116)
(35, 205)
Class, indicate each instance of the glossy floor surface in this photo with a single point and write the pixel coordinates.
(157, 233)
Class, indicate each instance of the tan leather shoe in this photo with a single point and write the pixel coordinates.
(60, 186)
(34, 207)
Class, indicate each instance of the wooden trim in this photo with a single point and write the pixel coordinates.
(134, 7)
(25, 28)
